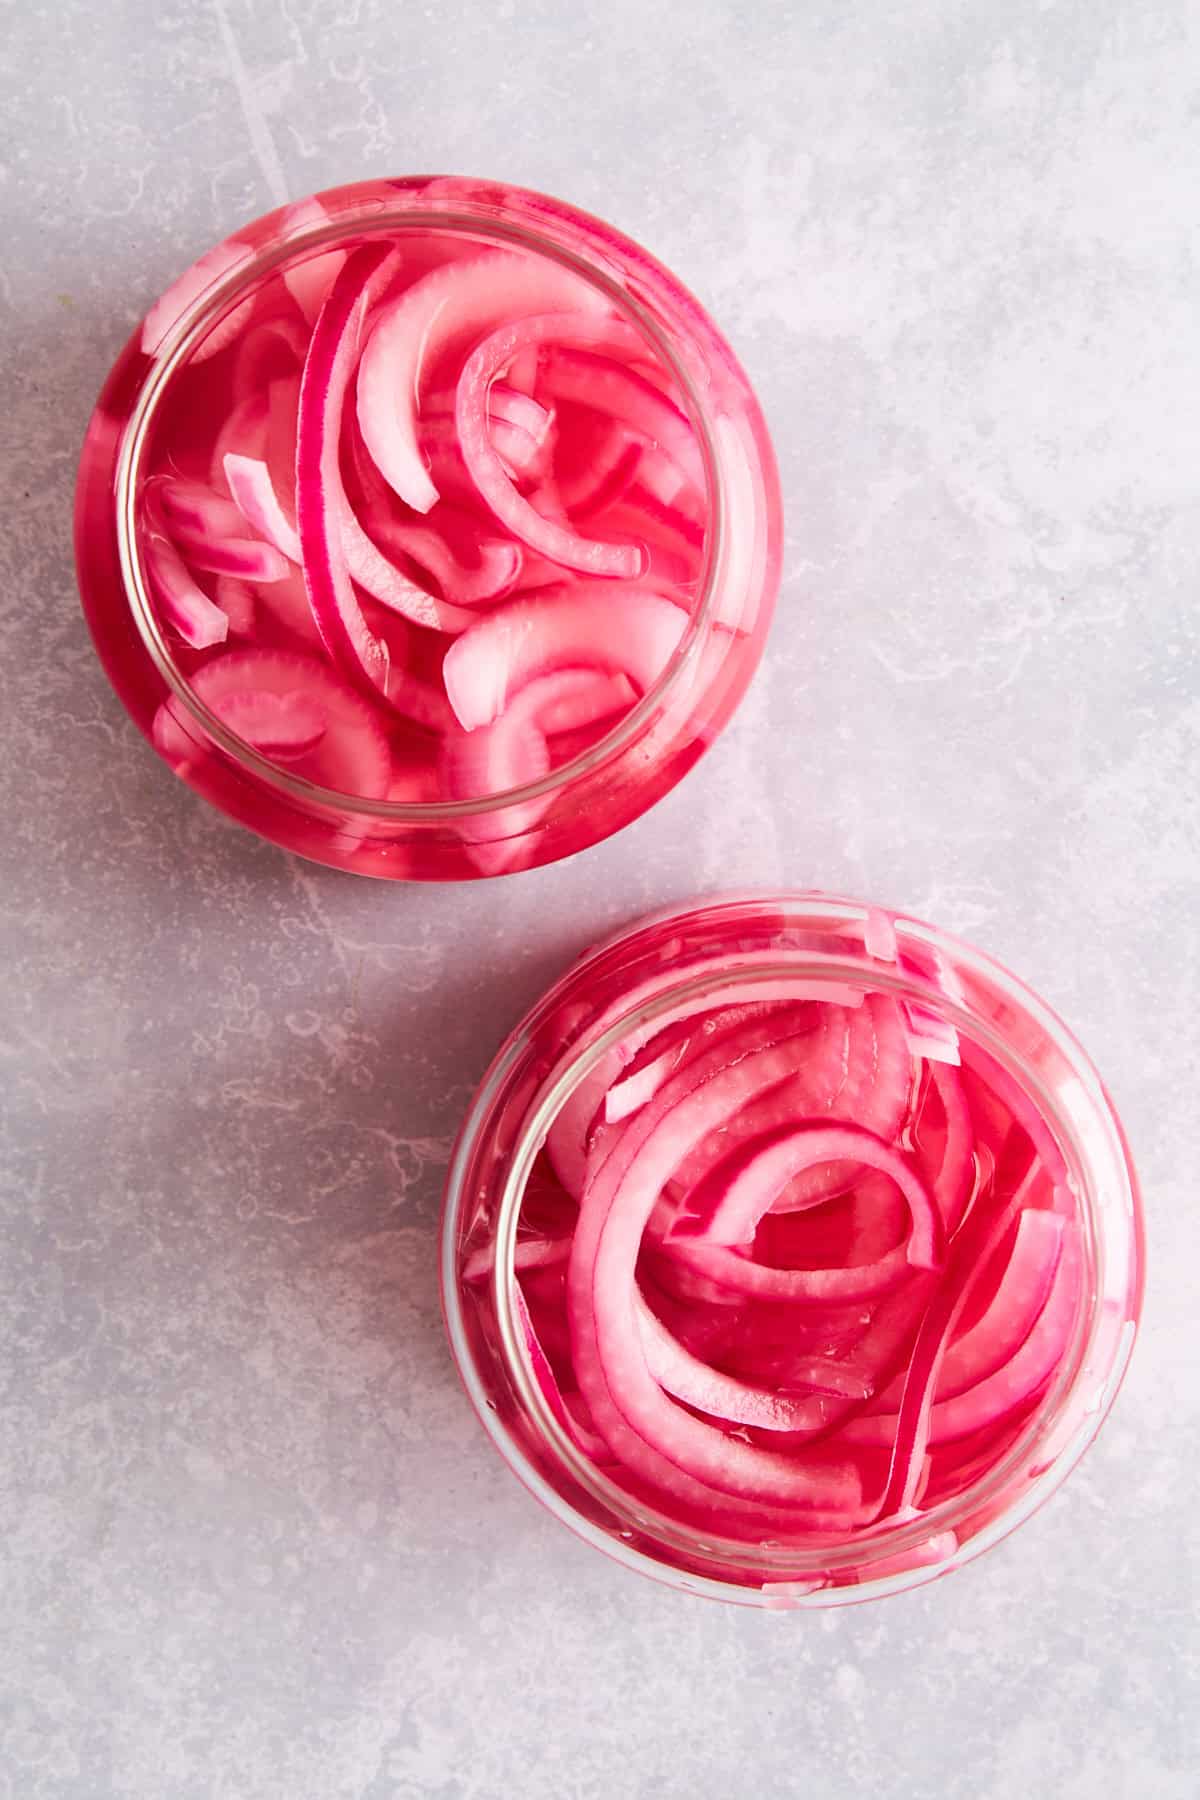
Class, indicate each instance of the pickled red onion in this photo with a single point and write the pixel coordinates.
(545, 535)
(328, 370)
(624, 631)
(292, 494)
(187, 610)
(748, 1364)
(286, 705)
(451, 306)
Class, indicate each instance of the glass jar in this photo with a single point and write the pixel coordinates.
(611, 781)
(696, 953)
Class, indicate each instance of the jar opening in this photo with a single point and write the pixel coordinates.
(1074, 1107)
(355, 223)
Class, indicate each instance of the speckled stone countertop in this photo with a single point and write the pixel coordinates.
(253, 1544)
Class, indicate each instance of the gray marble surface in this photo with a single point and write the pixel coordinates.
(252, 1543)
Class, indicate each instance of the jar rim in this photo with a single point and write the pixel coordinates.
(1105, 1184)
(363, 213)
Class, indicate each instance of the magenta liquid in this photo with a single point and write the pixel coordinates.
(791, 1247)
(425, 519)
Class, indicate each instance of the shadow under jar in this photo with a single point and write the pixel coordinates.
(429, 528)
(792, 1251)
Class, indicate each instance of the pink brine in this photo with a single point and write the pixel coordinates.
(814, 1235)
(446, 528)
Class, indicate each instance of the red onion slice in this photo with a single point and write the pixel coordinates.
(549, 537)
(247, 558)
(1017, 1381)
(272, 699)
(638, 1087)
(237, 600)
(309, 279)
(186, 292)
(285, 727)
(725, 1397)
(186, 608)
(644, 1428)
(196, 512)
(512, 751)
(741, 1275)
(617, 629)
(590, 379)
(520, 428)
(1012, 1314)
(249, 481)
(488, 575)
(973, 1249)
(438, 318)
(567, 1141)
(328, 369)
(760, 1180)
(543, 1374)
(529, 1253)
(358, 558)
(990, 1401)
(861, 1074)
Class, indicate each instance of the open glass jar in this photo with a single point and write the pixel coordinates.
(429, 528)
(792, 1250)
